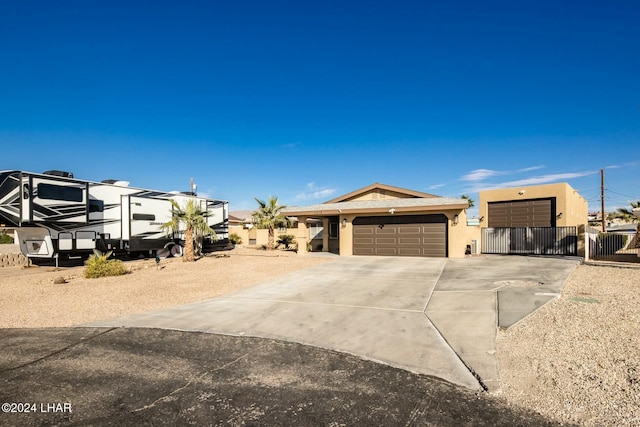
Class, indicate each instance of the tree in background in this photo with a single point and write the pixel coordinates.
(195, 224)
(472, 203)
(268, 216)
(626, 214)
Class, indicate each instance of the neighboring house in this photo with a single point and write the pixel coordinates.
(240, 219)
(622, 228)
(550, 205)
(384, 220)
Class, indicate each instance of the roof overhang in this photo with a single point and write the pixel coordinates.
(386, 207)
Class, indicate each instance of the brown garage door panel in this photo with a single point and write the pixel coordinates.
(410, 241)
(522, 213)
(408, 229)
(410, 252)
(397, 236)
(363, 241)
(386, 241)
(386, 251)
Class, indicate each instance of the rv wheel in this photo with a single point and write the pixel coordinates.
(177, 251)
(163, 253)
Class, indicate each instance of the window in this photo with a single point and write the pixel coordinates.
(315, 231)
(333, 230)
(144, 217)
(58, 192)
(96, 206)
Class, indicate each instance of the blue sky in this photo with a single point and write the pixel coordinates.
(310, 100)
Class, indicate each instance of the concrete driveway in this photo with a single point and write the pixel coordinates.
(426, 315)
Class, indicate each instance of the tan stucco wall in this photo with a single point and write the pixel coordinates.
(572, 205)
(474, 232)
(261, 235)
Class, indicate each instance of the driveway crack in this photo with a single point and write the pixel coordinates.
(167, 397)
(54, 353)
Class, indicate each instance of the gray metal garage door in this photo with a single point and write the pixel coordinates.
(402, 235)
(522, 213)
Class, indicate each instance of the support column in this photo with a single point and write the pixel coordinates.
(303, 235)
(325, 234)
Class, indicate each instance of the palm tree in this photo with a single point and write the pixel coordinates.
(626, 214)
(468, 199)
(268, 216)
(195, 226)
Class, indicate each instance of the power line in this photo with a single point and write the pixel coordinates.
(625, 195)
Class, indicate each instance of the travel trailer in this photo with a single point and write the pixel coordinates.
(55, 214)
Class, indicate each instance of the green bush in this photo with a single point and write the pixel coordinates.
(5, 238)
(286, 239)
(235, 239)
(99, 265)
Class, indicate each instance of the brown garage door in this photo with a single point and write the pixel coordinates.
(402, 235)
(522, 213)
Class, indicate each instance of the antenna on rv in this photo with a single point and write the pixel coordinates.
(192, 186)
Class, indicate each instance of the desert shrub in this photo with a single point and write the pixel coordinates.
(286, 240)
(5, 238)
(99, 265)
(235, 239)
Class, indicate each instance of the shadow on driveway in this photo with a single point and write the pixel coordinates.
(121, 376)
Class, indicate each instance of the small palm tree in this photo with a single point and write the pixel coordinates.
(472, 203)
(195, 224)
(268, 216)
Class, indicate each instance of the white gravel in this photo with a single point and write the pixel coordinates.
(577, 359)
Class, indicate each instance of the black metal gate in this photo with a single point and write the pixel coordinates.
(530, 240)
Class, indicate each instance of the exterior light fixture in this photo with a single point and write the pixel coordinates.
(559, 215)
(455, 219)
(344, 222)
(481, 218)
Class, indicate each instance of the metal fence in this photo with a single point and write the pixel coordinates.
(530, 240)
(613, 247)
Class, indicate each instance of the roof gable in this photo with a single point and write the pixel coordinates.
(377, 191)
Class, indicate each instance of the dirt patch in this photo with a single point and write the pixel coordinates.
(30, 299)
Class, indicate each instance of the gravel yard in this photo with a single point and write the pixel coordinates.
(30, 299)
(576, 360)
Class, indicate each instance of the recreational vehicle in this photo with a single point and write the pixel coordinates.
(55, 214)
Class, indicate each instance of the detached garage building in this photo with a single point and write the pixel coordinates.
(551, 205)
(388, 221)
(541, 219)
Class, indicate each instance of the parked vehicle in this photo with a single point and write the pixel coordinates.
(55, 214)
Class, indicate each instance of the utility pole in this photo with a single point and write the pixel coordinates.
(602, 198)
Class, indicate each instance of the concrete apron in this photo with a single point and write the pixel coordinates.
(431, 316)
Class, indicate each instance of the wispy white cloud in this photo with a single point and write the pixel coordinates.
(532, 168)
(535, 180)
(545, 179)
(313, 192)
(480, 175)
(483, 174)
(436, 186)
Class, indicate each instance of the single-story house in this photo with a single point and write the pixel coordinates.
(385, 220)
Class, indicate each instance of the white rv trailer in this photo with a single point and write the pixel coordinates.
(54, 214)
